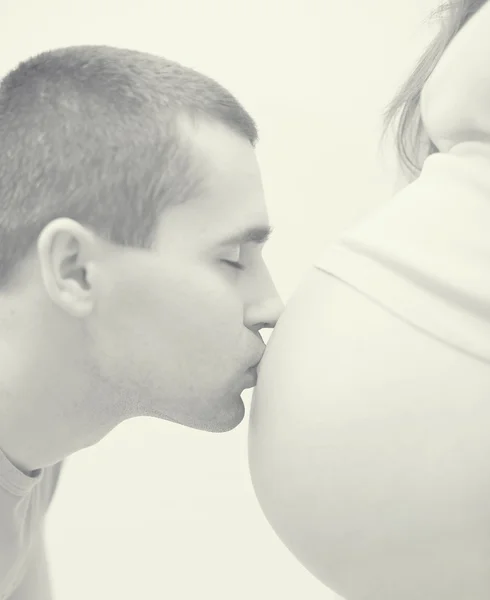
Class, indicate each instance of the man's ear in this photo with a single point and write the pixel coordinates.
(65, 251)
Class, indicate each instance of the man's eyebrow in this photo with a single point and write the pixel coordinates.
(250, 235)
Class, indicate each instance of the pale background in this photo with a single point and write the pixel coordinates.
(157, 511)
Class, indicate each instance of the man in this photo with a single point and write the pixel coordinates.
(132, 220)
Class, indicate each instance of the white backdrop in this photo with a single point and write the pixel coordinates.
(157, 511)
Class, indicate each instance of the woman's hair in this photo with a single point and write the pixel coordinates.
(403, 113)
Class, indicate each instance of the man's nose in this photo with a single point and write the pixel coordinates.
(266, 310)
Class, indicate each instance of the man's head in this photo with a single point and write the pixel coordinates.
(129, 189)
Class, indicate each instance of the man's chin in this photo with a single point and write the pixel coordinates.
(222, 421)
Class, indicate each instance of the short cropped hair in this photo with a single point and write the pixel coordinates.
(91, 133)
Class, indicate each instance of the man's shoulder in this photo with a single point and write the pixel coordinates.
(23, 506)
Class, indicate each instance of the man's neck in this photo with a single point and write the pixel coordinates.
(39, 404)
(30, 440)
(43, 384)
